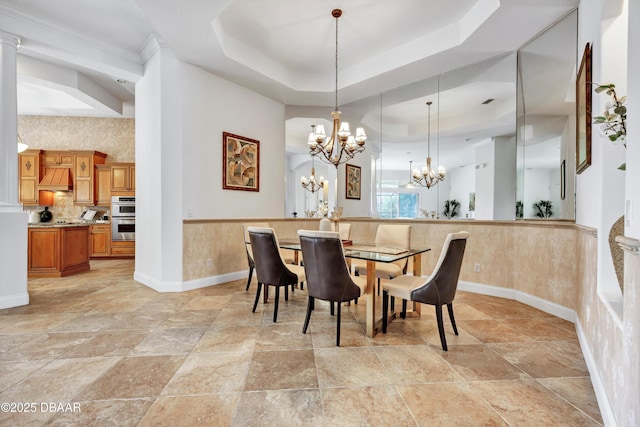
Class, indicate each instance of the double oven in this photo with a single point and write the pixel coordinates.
(123, 218)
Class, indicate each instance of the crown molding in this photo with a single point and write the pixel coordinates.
(43, 39)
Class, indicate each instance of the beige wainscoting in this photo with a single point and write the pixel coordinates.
(538, 258)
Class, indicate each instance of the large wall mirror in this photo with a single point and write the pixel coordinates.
(503, 129)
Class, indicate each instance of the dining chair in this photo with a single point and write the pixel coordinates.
(327, 273)
(343, 228)
(247, 246)
(438, 289)
(392, 236)
(271, 269)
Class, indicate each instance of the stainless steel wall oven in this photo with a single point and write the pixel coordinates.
(123, 218)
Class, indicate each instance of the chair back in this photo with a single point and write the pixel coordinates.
(395, 236)
(247, 242)
(343, 228)
(270, 267)
(441, 286)
(325, 267)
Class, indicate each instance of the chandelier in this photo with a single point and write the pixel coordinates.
(429, 177)
(312, 185)
(341, 146)
(21, 145)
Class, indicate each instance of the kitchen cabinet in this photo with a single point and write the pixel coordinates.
(57, 158)
(124, 249)
(103, 185)
(123, 179)
(84, 181)
(30, 172)
(57, 251)
(100, 240)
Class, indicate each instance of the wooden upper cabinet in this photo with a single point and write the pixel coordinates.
(84, 182)
(103, 185)
(30, 170)
(123, 178)
(57, 158)
(30, 173)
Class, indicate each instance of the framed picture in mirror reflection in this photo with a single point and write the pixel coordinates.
(354, 181)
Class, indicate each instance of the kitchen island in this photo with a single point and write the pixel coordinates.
(57, 250)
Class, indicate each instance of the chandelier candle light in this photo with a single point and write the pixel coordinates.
(312, 185)
(429, 177)
(341, 145)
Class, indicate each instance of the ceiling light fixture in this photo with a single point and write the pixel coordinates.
(21, 145)
(312, 185)
(410, 183)
(429, 176)
(341, 146)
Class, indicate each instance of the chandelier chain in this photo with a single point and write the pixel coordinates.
(336, 103)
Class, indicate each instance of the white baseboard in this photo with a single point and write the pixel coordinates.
(189, 285)
(598, 387)
(557, 310)
(10, 301)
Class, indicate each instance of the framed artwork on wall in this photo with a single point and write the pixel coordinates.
(563, 180)
(354, 181)
(583, 112)
(240, 163)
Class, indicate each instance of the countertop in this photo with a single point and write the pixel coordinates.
(66, 224)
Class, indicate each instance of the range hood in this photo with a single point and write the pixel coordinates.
(57, 179)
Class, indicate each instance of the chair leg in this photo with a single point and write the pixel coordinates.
(453, 320)
(275, 308)
(286, 293)
(255, 303)
(338, 327)
(333, 308)
(404, 309)
(393, 303)
(302, 285)
(308, 316)
(249, 279)
(443, 340)
(385, 310)
(378, 286)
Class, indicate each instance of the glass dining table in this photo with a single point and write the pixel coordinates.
(371, 254)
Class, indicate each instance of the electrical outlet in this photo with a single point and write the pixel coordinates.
(209, 262)
(476, 268)
(190, 212)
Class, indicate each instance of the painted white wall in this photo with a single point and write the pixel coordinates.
(463, 182)
(632, 175)
(541, 184)
(485, 179)
(505, 179)
(211, 106)
(159, 173)
(13, 259)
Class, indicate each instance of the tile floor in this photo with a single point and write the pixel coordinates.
(124, 354)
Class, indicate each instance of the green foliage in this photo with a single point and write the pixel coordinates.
(519, 209)
(613, 121)
(543, 209)
(451, 208)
